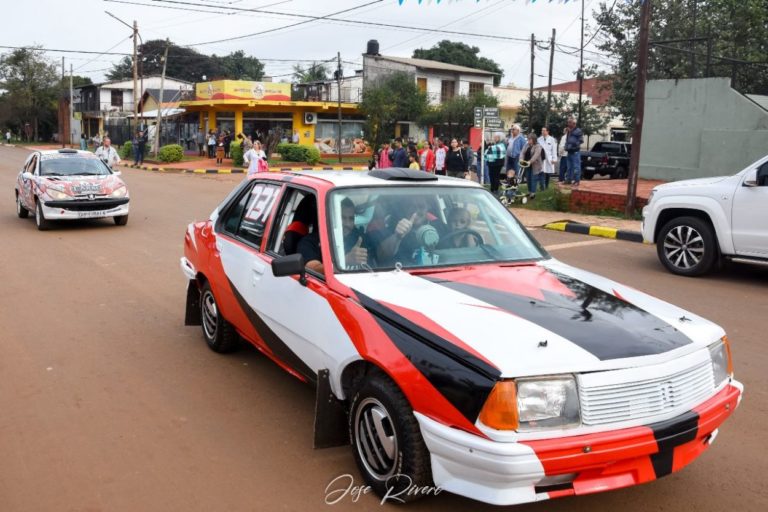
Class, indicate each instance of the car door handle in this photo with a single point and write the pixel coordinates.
(257, 270)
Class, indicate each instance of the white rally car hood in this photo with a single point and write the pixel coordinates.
(534, 319)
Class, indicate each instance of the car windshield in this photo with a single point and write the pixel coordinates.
(382, 228)
(73, 166)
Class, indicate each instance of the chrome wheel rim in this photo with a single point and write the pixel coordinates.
(684, 247)
(210, 315)
(376, 439)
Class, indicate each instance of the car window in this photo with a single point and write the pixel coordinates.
(31, 165)
(607, 147)
(416, 227)
(296, 216)
(247, 218)
(762, 175)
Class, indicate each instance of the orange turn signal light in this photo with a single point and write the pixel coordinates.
(728, 351)
(500, 409)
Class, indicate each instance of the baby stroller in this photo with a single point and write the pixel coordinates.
(509, 192)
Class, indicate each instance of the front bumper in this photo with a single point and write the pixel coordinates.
(513, 473)
(85, 209)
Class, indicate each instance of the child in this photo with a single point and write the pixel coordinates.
(413, 161)
(459, 219)
(220, 151)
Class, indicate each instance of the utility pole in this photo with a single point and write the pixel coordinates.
(338, 90)
(71, 106)
(160, 106)
(135, 72)
(530, 97)
(549, 86)
(637, 135)
(581, 61)
(62, 117)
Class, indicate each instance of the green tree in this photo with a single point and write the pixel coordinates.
(460, 54)
(558, 114)
(394, 97)
(737, 29)
(238, 66)
(32, 87)
(315, 72)
(456, 116)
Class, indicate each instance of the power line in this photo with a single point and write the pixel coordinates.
(59, 50)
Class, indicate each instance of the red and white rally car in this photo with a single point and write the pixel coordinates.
(447, 346)
(69, 184)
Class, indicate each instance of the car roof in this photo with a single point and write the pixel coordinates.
(367, 179)
(65, 153)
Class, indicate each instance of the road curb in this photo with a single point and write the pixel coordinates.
(240, 170)
(601, 231)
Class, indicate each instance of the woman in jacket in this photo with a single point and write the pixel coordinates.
(533, 154)
(456, 161)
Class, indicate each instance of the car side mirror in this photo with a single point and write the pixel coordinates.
(26, 175)
(751, 179)
(290, 265)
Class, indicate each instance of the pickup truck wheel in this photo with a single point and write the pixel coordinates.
(387, 442)
(620, 173)
(588, 175)
(687, 246)
(219, 334)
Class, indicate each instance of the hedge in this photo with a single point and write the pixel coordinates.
(236, 152)
(171, 153)
(126, 150)
(299, 153)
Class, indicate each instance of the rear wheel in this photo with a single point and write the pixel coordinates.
(121, 220)
(620, 173)
(219, 334)
(40, 222)
(687, 246)
(22, 212)
(387, 442)
(588, 175)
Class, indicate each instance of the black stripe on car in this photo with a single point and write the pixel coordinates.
(461, 377)
(669, 435)
(598, 322)
(278, 347)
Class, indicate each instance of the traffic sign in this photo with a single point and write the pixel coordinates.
(478, 122)
(478, 112)
(494, 122)
(491, 112)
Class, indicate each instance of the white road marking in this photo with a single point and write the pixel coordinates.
(571, 245)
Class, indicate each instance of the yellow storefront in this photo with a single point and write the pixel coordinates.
(256, 107)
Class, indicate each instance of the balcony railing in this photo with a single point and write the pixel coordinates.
(323, 92)
(104, 106)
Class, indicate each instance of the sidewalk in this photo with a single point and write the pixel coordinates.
(209, 166)
(538, 219)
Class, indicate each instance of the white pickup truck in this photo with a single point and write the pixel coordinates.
(698, 223)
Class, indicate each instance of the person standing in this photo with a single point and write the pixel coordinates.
(220, 150)
(563, 154)
(211, 143)
(200, 140)
(8, 136)
(83, 142)
(573, 147)
(384, 160)
(252, 158)
(413, 161)
(227, 143)
(470, 154)
(107, 153)
(427, 158)
(455, 161)
(440, 153)
(515, 146)
(549, 144)
(139, 147)
(399, 156)
(534, 154)
(495, 157)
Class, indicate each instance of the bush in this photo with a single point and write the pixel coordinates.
(299, 153)
(236, 152)
(126, 150)
(171, 153)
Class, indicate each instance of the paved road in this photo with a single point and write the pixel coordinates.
(107, 402)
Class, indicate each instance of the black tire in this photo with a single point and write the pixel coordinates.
(386, 440)
(219, 334)
(687, 246)
(121, 220)
(588, 175)
(620, 173)
(22, 212)
(40, 221)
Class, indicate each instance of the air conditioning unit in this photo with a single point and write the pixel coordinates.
(310, 118)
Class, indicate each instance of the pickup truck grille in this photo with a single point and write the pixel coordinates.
(644, 399)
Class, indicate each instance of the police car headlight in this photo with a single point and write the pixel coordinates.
(119, 191)
(58, 194)
(720, 353)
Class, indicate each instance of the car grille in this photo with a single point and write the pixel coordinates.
(86, 205)
(647, 398)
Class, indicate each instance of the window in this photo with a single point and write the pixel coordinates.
(476, 88)
(762, 175)
(421, 83)
(298, 211)
(248, 217)
(117, 98)
(447, 90)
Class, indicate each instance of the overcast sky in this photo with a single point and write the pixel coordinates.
(83, 25)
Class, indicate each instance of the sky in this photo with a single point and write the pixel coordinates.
(84, 25)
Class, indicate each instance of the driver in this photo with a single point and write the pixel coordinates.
(459, 220)
(397, 240)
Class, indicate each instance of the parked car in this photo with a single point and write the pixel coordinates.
(698, 223)
(447, 347)
(69, 184)
(606, 159)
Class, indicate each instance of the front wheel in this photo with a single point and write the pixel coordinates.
(387, 442)
(687, 246)
(40, 221)
(22, 212)
(121, 220)
(219, 334)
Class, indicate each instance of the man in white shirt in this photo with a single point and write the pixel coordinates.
(563, 156)
(440, 154)
(550, 149)
(107, 153)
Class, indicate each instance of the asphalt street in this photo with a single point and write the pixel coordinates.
(109, 403)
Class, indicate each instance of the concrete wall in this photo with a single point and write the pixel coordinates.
(698, 128)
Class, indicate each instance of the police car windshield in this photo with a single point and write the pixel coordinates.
(382, 228)
(73, 166)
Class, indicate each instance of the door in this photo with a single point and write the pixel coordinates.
(27, 185)
(750, 209)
